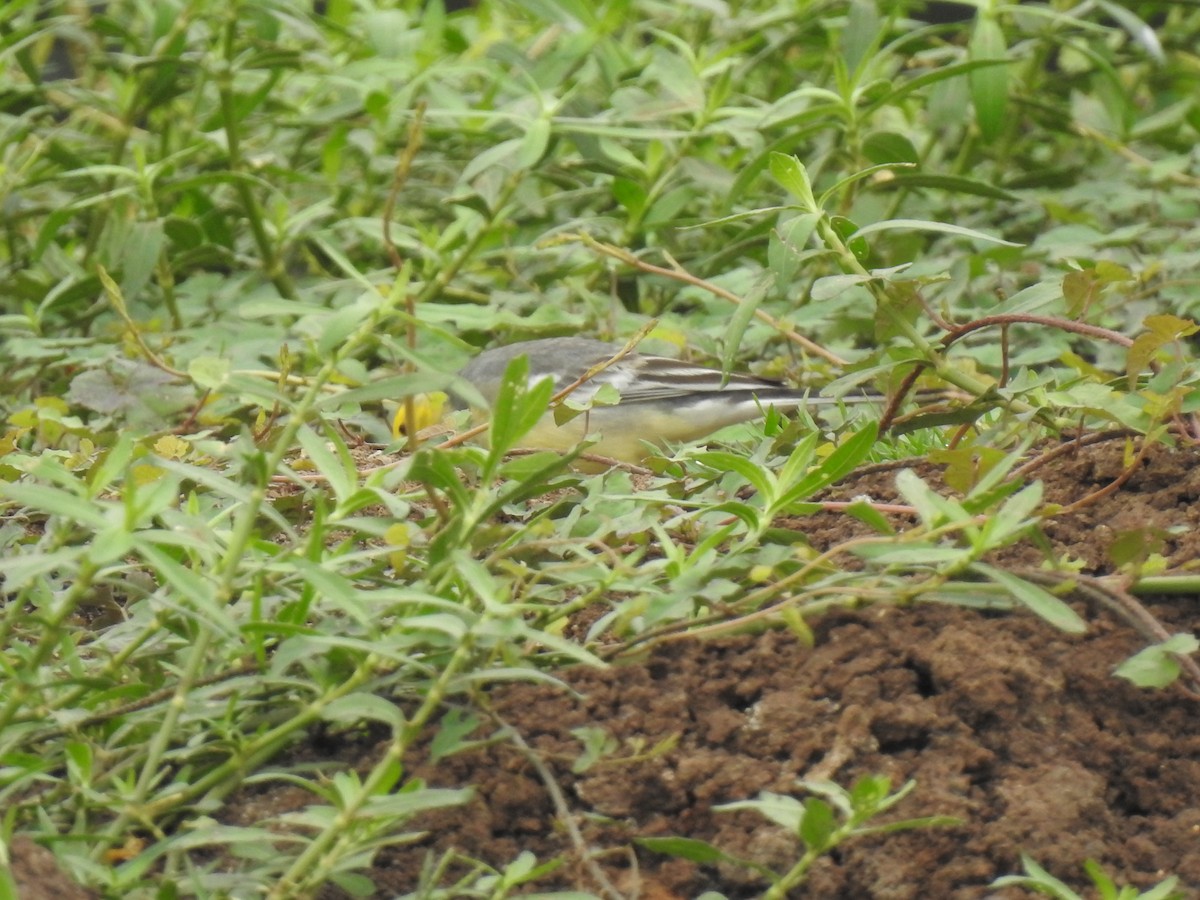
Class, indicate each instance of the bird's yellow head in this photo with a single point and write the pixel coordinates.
(427, 410)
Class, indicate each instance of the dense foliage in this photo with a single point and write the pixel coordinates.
(235, 236)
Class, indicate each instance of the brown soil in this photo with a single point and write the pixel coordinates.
(37, 876)
(1017, 729)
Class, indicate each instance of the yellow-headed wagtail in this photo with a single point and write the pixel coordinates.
(662, 400)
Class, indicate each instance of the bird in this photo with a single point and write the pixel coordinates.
(661, 400)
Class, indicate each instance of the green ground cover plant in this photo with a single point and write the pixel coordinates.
(235, 237)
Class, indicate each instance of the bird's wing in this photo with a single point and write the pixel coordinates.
(643, 379)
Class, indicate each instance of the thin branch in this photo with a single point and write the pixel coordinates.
(1082, 328)
(678, 273)
(1137, 159)
(561, 810)
(1069, 447)
(595, 370)
(894, 401)
(1113, 486)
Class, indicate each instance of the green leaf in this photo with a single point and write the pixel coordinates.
(209, 372)
(943, 227)
(451, 733)
(989, 87)
(830, 286)
(518, 406)
(335, 465)
(8, 886)
(840, 185)
(112, 466)
(840, 463)
(1104, 884)
(955, 184)
(1156, 666)
(1039, 878)
(504, 155)
(335, 589)
(533, 144)
(790, 172)
(142, 249)
(683, 848)
(1145, 36)
(630, 194)
(796, 466)
(337, 327)
(407, 803)
(597, 743)
(42, 498)
(933, 509)
(129, 388)
(818, 825)
(109, 544)
(786, 248)
(781, 809)
(392, 387)
(1164, 890)
(363, 707)
(1036, 599)
(884, 147)
(913, 824)
(941, 73)
(754, 474)
(1014, 518)
(869, 515)
(19, 570)
(188, 586)
(1161, 330)
(868, 793)
(860, 38)
(913, 554)
(743, 314)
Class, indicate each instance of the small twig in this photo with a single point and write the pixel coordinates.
(934, 315)
(185, 427)
(894, 509)
(439, 505)
(1113, 486)
(961, 432)
(1134, 612)
(1069, 447)
(595, 370)
(894, 401)
(1135, 158)
(1082, 328)
(353, 439)
(1003, 355)
(680, 274)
